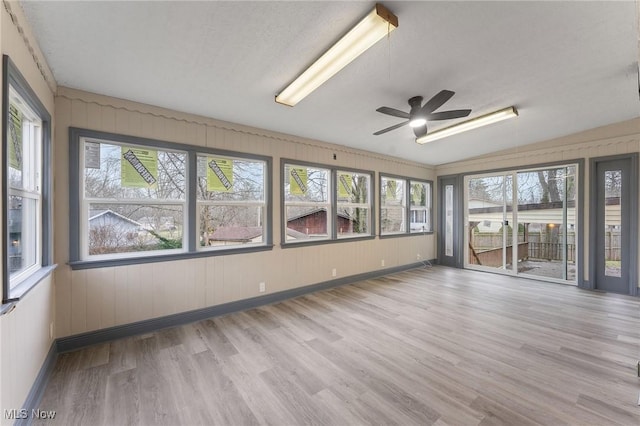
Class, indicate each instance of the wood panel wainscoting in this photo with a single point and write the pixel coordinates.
(427, 346)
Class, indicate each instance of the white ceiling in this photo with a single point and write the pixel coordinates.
(566, 66)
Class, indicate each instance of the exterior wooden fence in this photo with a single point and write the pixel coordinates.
(493, 257)
(539, 248)
(551, 251)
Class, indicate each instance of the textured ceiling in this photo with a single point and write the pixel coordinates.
(566, 66)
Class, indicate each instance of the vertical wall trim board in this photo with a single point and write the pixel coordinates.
(192, 208)
(633, 255)
(74, 199)
(580, 255)
(593, 180)
(268, 219)
(4, 185)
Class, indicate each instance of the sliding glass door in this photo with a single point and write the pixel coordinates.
(523, 222)
(547, 220)
(489, 221)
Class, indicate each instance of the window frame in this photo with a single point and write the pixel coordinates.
(251, 203)
(332, 202)
(338, 203)
(428, 208)
(12, 78)
(408, 181)
(86, 202)
(190, 247)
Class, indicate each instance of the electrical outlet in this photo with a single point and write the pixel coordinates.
(382, 262)
(418, 257)
(334, 272)
(263, 287)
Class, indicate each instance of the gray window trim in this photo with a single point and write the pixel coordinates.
(407, 180)
(75, 134)
(372, 195)
(333, 238)
(12, 77)
(429, 209)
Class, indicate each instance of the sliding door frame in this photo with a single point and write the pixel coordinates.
(580, 214)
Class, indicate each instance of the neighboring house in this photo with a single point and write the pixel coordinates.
(15, 237)
(225, 235)
(228, 235)
(165, 223)
(110, 232)
(101, 218)
(489, 216)
(314, 222)
(299, 227)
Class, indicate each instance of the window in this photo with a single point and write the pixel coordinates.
(353, 217)
(141, 200)
(393, 202)
(396, 193)
(307, 203)
(231, 201)
(134, 198)
(26, 184)
(325, 204)
(420, 220)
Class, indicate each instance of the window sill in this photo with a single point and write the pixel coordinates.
(292, 244)
(104, 263)
(26, 286)
(406, 234)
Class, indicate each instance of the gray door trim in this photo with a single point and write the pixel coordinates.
(633, 219)
(458, 218)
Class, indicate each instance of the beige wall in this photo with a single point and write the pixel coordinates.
(24, 332)
(97, 298)
(619, 138)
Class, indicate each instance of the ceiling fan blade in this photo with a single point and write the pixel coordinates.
(393, 111)
(448, 115)
(437, 101)
(420, 130)
(388, 129)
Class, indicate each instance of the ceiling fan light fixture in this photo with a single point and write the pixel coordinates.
(373, 27)
(417, 122)
(474, 123)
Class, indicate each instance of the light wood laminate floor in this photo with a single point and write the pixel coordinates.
(428, 346)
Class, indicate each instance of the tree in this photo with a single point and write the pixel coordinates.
(240, 206)
(549, 184)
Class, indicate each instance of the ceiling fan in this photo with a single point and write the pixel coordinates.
(419, 114)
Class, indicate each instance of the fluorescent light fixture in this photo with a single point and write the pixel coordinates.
(373, 27)
(474, 123)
